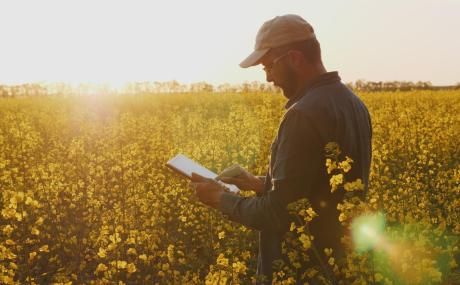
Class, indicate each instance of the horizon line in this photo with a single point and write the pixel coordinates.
(125, 83)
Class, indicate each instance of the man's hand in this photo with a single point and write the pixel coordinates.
(245, 181)
(208, 191)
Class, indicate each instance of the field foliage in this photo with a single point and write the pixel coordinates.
(86, 198)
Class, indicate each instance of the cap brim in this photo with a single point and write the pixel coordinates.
(254, 58)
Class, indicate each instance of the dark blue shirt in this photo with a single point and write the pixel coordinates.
(325, 111)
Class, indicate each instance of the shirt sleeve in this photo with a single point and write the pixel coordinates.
(293, 168)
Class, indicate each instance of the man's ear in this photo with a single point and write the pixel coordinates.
(296, 59)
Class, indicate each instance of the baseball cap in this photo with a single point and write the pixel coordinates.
(276, 32)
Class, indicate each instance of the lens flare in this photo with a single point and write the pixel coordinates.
(367, 231)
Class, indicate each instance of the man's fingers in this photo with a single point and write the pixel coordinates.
(226, 179)
(204, 186)
(230, 180)
(199, 189)
(197, 178)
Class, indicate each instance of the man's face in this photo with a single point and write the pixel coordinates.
(279, 71)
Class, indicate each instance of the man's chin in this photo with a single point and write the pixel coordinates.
(287, 92)
(279, 86)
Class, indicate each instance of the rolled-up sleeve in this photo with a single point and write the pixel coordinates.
(293, 166)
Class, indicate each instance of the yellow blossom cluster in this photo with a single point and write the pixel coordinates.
(86, 198)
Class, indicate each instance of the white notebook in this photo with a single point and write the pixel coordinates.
(185, 166)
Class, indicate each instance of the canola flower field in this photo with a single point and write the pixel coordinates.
(86, 197)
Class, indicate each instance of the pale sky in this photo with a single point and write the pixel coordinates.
(205, 40)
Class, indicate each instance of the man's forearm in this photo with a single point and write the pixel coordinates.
(267, 211)
(263, 213)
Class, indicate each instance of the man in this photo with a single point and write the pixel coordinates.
(320, 109)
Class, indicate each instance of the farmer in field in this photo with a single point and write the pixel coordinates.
(320, 109)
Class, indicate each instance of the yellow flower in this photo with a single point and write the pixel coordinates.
(311, 272)
(246, 255)
(132, 251)
(131, 240)
(35, 231)
(354, 186)
(239, 267)
(29, 200)
(306, 242)
(131, 268)
(345, 165)
(101, 267)
(311, 212)
(221, 260)
(121, 264)
(8, 213)
(13, 265)
(44, 248)
(19, 216)
(7, 230)
(170, 253)
(330, 165)
(165, 266)
(39, 221)
(335, 181)
(102, 253)
(20, 196)
(115, 238)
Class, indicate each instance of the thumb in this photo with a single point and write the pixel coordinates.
(229, 180)
(197, 178)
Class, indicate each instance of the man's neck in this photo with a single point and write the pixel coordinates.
(307, 78)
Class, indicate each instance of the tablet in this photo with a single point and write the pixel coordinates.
(185, 166)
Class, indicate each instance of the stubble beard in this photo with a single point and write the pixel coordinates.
(289, 85)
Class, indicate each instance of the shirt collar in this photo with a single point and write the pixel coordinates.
(323, 79)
